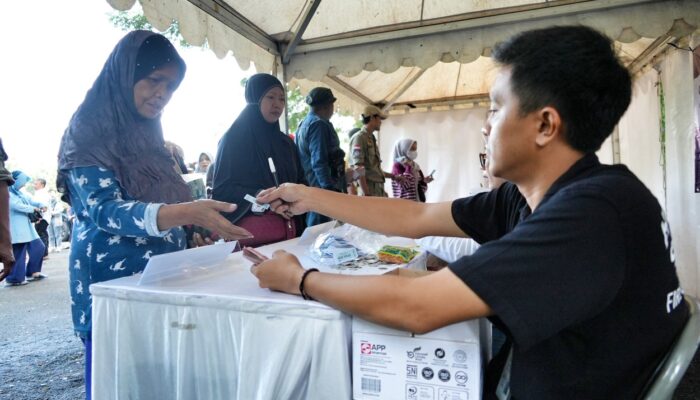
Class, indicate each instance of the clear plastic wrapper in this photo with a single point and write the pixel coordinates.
(345, 244)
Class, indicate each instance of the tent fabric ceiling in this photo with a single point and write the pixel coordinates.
(402, 53)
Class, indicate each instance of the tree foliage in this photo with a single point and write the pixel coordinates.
(127, 21)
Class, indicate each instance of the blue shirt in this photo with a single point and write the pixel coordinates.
(320, 153)
(113, 236)
(21, 228)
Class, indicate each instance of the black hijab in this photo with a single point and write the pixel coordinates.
(241, 165)
(108, 132)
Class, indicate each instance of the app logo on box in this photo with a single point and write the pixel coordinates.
(365, 348)
(369, 348)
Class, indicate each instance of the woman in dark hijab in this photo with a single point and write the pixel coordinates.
(117, 175)
(242, 166)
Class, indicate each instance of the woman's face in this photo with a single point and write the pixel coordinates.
(153, 92)
(204, 162)
(272, 104)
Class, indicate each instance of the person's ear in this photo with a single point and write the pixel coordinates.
(550, 126)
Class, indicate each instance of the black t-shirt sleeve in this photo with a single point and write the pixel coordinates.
(490, 215)
(558, 267)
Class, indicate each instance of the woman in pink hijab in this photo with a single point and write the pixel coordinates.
(414, 184)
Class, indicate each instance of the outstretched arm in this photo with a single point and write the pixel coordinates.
(101, 196)
(395, 217)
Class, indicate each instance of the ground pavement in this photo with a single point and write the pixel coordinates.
(40, 358)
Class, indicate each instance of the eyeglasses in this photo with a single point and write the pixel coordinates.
(482, 160)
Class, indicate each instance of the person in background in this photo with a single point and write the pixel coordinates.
(41, 195)
(576, 262)
(205, 165)
(364, 152)
(56, 208)
(7, 257)
(319, 148)
(355, 175)
(203, 162)
(242, 164)
(115, 171)
(27, 247)
(414, 184)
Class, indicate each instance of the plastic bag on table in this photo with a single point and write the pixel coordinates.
(343, 244)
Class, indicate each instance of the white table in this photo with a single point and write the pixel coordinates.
(219, 336)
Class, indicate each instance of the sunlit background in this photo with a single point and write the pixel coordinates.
(51, 58)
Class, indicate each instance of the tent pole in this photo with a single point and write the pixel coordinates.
(616, 145)
(281, 73)
(306, 17)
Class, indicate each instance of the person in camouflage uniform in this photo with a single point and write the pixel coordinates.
(365, 152)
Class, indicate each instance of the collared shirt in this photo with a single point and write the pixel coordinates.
(364, 151)
(320, 154)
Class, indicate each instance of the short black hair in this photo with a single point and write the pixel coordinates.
(42, 181)
(319, 107)
(573, 69)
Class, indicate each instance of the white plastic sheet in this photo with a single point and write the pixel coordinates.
(683, 204)
(217, 337)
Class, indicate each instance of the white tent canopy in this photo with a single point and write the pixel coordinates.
(403, 54)
(432, 55)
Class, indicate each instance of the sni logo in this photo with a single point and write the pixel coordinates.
(369, 348)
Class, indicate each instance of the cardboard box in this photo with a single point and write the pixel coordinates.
(390, 364)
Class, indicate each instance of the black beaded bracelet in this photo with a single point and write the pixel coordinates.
(301, 284)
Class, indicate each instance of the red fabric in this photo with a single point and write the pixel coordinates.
(267, 228)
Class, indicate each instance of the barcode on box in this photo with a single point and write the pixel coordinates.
(371, 385)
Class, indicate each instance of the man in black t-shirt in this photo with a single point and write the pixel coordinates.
(576, 263)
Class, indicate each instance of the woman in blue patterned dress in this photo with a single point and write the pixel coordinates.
(115, 172)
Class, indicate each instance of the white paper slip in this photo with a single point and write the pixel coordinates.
(185, 262)
(257, 207)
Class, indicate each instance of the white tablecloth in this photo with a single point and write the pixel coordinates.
(218, 336)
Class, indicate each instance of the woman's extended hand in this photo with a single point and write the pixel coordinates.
(204, 213)
(282, 272)
(288, 199)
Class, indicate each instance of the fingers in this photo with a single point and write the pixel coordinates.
(198, 240)
(266, 192)
(221, 206)
(232, 232)
(278, 253)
